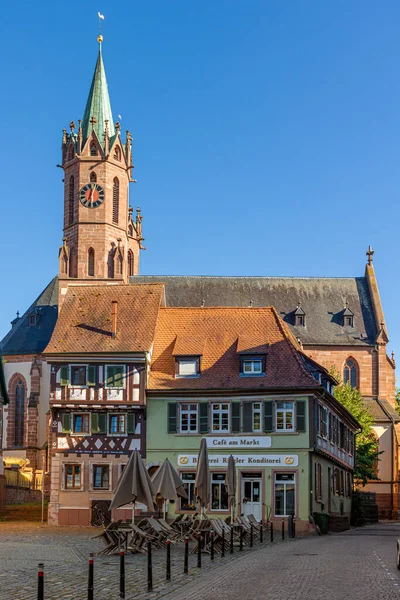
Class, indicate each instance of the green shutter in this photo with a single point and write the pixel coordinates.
(102, 423)
(110, 376)
(66, 422)
(247, 417)
(91, 375)
(172, 417)
(119, 376)
(268, 416)
(94, 423)
(301, 415)
(64, 375)
(203, 417)
(235, 417)
(131, 423)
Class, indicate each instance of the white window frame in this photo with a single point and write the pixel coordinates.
(220, 483)
(109, 387)
(220, 412)
(63, 475)
(191, 484)
(73, 415)
(74, 385)
(290, 482)
(121, 467)
(186, 361)
(252, 372)
(91, 483)
(285, 411)
(117, 414)
(189, 411)
(254, 412)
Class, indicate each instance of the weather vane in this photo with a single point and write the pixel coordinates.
(100, 36)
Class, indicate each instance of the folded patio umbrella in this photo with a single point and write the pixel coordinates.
(202, 482)
(167, 483)
(134, 485)
(230, 482)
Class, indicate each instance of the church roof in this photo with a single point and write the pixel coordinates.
(381, 410)
(98, 104)
(322, 300)
(31, 335)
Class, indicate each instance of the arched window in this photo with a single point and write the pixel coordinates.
(130, 263)
(91, 262)
(350, 372)
(130, 231)
(71, 152)
(71, 194)
(117, 153)
(93, 177)
(19, 422)
(115, 213)
(93, 148)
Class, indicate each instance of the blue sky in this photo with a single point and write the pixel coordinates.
(266, 135)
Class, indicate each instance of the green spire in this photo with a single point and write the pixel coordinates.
(98, 104)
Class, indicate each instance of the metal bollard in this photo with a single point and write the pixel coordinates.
(289, 526)
(199, 550)
(294, 527)
(241, 538)
(283, 529)
(91, 577)
(122, 574)
(261, 532)
(212, 545)
(231, 544)
(186, 563)
(149, 568)
(251, 535)
(272, 532)
(168, 575)
(223, 544)
(40, 593)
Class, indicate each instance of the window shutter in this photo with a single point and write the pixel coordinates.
(268, 415)
(64, 375)
(102, 423)
(203, 417)
(301, 415)
(66, 422)
(172, 417)
(91, 375)
(247, 417)
(235, 407)
(94, 423)
(131, 423)
(119, 377)
(110, 376)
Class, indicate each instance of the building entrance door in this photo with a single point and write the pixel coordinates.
(251, 496)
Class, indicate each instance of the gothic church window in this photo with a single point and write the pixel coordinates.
(91, 262)
(130, 263)
(117, 153)
(110, 264)
(71, 193)
(130, 231)
(115, 213)
(93, 149)
(350, 372)
(93, 177)
(19, 414)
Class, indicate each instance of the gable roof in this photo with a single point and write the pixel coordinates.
(220, 362)
(85, 321)
(24, 338)
(322, 299)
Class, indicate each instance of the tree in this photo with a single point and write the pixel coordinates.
(367, 445)
(397, 406)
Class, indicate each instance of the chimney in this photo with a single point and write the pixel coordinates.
(114, 314)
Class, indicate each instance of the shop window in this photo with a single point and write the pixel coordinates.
(188, 418)
(72, 477)
(284, 416)
(81, 423)
(219, 494)
(78, 375)
(220, 417)
(285, 494)
(188, 484)
(350, 372)
(101, 477)
(187, 367)
(116, 424)
(115, 376)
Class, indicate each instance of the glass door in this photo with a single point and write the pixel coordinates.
(251, 496)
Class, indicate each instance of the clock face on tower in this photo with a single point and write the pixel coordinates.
(92, 195)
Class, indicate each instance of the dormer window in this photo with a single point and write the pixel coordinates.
(252, 366)
(299, 317)
(187, 367)
(348, 317)
(32, 320)
(93, 149)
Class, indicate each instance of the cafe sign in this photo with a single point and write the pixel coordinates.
(244, 441)
(242, 460)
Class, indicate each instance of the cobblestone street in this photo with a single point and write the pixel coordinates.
(359, 564)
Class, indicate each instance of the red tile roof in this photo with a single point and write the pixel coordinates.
(85, 323)
(221, 328)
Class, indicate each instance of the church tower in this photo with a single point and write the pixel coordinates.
(102, 238)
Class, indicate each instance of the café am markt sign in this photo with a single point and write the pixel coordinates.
(242, 460)
(244, 441)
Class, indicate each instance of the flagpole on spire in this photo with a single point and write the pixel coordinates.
(100, 36)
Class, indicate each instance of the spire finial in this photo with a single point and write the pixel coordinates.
(100, 37)
(370, 254)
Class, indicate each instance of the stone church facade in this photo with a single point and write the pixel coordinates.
(338, 322)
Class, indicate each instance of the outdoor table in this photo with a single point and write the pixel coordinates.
(123, 536)
(204, 539)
